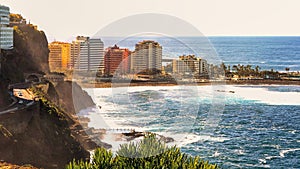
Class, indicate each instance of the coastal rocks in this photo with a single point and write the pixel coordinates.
(225, 91)
(167, 139)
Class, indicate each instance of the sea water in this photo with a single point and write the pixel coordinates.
(233, 126)
(268, 52)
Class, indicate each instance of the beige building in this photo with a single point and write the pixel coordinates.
(74, 54)
(190, 65)
(147, 55)
(59, 56)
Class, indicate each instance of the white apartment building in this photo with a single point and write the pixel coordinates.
(6, 32)
(147, 55)
(91, 57)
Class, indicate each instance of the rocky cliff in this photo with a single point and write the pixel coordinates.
(35, 135)
(30, 54)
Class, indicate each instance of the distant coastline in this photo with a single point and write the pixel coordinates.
(226, 82)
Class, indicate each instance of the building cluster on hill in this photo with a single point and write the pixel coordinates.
(88, 55)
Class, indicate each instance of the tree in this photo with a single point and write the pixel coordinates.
(287, 69)
(257, 68)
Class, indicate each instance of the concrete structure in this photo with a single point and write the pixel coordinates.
(59, 56)
(91, 57)
(190, 65)
(147, 55)
(6, 32)
(33, 77)
(116, 59)
(55, 77)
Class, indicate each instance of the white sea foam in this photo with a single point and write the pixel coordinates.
(271, 157)
(216, 154)
(262, 161)
(263, 95)
(239, 152)
(283, 152)
(188, 138)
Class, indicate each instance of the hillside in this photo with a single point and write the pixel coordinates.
(34, 135)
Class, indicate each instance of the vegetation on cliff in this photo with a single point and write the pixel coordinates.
(4, 165)
(42, 134)
(149, 153)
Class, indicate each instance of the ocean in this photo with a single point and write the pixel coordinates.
(233, 126)
(268, 52)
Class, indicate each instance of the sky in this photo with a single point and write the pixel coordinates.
(65, 19)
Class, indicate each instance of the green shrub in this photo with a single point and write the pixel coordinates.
(149, 153)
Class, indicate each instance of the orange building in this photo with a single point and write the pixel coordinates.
(59, 56)
(116, 59)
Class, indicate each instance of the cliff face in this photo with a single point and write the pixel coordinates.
(33, 135)
(38, 138)
(67, 91)
(30, 54)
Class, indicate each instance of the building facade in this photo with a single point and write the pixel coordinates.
(147, 55)
(116, 60)
(59, 56)
(75, 52)
(6, 32)
(91, 57)
(190, 65)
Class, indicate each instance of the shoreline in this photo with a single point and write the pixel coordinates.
(227, 82)
(112, 140)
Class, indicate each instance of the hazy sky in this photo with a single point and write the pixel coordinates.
(64, 19)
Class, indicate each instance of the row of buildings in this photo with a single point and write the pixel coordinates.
(83, 54)
(88, 54)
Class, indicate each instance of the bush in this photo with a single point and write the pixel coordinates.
(149, 153)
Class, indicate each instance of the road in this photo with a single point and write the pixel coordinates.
(17, 106)
(22, 99)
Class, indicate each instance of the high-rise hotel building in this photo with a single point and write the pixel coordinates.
(59, 56)
(116, 60)
(147, 55)
(6, 32)
(91, 56)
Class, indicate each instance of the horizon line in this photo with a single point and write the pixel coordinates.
(55, 39)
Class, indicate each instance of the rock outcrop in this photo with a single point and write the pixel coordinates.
(33, 135)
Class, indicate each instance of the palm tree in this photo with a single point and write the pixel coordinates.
(287, 69)
(257, 68)
(248, 70)
(234, 68)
